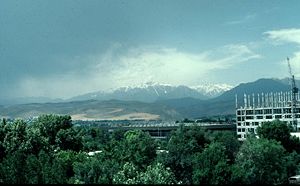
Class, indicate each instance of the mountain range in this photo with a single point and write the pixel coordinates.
(150, 92)
(212, 90)
(147, 92)
(150, 101)
(225, 103)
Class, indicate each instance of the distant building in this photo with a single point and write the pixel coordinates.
(294, 180)
(94, 152)
(266, 107)
(296, 134)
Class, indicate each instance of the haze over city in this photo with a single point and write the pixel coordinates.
(63, 48)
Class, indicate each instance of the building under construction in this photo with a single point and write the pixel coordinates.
(267, 107)
(284, 106)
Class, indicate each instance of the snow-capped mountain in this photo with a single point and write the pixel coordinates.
(166, 109)
(212, 90)
(148, 92)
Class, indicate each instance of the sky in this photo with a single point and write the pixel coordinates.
(64, 48)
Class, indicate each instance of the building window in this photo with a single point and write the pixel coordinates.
(239, 124)
(258, 111)
(247, 123)
(268, 111)
(287, 110)
(277, 111)
(238, 112)
(249, 112)
(278, 116)
(239, 136)
(259, 117)
(243, 129)
(297, 110)
(249, 117)
(239, 130)
(269, 117)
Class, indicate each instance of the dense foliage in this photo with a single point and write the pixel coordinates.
(50, 150)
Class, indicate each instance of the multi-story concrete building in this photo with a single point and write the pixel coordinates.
(266, 107)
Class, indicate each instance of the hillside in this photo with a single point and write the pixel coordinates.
(164, 108)
(148, 93)
(256, 87)
(93, 110)
(225, 103)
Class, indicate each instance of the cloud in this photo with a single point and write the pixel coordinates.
(291, 35)
(284, 36)
(231, 55)
(245, 19)
(121, 67)
(168, 65)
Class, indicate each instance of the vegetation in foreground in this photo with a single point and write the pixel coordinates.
(52, 150)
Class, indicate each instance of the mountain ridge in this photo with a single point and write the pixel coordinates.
(147, 93)
(160, 109)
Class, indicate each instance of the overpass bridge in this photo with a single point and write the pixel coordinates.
(162, 130)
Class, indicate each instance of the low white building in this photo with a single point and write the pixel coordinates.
(297, 134)
(94, 152)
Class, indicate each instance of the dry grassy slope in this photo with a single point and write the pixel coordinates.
(93, 109)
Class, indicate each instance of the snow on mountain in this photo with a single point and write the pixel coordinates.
(146, 85)
(150, 91)
(212, 90)
(147, 92)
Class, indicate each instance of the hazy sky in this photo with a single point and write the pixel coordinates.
(62, 48)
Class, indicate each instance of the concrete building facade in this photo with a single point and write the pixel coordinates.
(261, 108)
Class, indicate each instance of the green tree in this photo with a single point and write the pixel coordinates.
(62, 165)
(94, 138)
(128, 175)
(211, 166)
(183, 144)
(33, 170)
(16, 137)
(49, 125)
(139, 148)
(69, 139)
(293, 145)
(95, 169)
(292, 163)
(157, 174)
(12, 168)
(22, 144)
(260, 161)
(35, 141)
(48, 175)
(154, 174)
(3, 133)
(118, 134)
(2, 129)
(230, 142)
(279, 131)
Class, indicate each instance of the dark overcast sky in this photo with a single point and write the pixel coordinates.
(62, 48)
